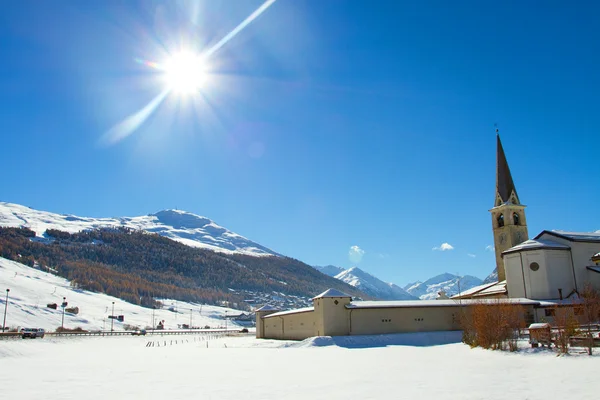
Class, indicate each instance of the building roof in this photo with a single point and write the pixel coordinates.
(496, 288)
(296, 311)
(504, 182)
(267, 308)
(534, 244)
(595, 268)
(436, 303)
(539, 325)
(593, 237)
(331, 293)
(473, 290)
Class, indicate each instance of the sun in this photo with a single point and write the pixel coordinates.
(185, 73)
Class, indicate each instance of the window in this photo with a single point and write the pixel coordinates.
(500, 221)
(336, 302)
(516, 219)
(534, 266)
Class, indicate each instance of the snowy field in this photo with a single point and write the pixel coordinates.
(31, 290)
(319, 368)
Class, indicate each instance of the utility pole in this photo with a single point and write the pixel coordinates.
(5, 307)
(153, 324)
(225, 321)
(112, 317)
(190, 318)
(63, 305)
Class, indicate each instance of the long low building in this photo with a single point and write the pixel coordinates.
(335, 314)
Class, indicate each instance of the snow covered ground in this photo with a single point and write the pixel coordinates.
(318, 368)
(31, 290)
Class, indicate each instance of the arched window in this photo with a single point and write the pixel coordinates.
(500, 220)
(516, 218)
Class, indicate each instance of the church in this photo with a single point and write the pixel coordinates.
(536, 274)
(554, 265)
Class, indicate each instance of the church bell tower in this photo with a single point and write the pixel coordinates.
(508, 215)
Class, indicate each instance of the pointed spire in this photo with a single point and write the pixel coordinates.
(504, 182)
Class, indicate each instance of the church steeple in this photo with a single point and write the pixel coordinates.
(505, 187)
(508, 215)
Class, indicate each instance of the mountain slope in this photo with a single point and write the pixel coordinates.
(493, 277)
(373, 286)
(187, 228)
(449, 283)
(31, 290)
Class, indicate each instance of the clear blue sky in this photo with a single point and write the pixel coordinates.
(322, 125)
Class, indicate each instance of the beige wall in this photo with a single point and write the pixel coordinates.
(371, 321)
(295, 326)
(509, 235)
(335, 316)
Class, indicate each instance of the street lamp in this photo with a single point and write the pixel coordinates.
(112, 317)
(153, 321)
(63, 305)
(5, 307)
(225, 321)
(190, 318)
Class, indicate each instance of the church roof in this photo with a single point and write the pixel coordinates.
(534, 244)
(331, 293)
(573, 236)
(267, 308)
(504, 182)
(296, 311)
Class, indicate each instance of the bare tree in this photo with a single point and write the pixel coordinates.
(590, 312)
(566, 326)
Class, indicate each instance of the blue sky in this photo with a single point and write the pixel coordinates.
(320, 126)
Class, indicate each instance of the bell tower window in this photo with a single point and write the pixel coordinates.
(500, 220)
(516, 219)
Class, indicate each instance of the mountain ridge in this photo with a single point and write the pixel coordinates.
(182, 226)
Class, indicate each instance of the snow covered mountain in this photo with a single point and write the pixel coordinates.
(373, 286)
(449, 283)
(187, 228)
(330, 270)
(493, 277)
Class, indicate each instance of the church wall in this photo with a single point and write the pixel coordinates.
(582, 254)
(373, 321)
(295, 326)
(514, 276)
(335, 316)
(560, 273)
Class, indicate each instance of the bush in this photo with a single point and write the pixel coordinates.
(494, 325)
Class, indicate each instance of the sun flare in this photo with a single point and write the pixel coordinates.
(185, 73)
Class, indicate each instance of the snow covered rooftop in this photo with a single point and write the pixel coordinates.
(533, 244)
(496, 288)
(296, 311)
(331, 293)
(267, 308)
(595, 268)
(436, 303)
(573, 236)
(473, 290)
(539, 325)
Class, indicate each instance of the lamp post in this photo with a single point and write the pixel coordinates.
(5, 307)
(112, 317)
(153, 324)
(190, 318)
(225, 321)
(63, 305)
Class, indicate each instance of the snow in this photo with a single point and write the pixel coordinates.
(31, 290)
(184, 227)
(436, 303)
(407, 366)
(331, 293)
(536, 244)
(296, 311)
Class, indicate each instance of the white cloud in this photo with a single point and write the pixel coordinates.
(444, 247)
(489, 247)
(471, 255)
(355, 254)
(383, 255)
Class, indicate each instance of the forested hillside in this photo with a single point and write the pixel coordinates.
(138, 266)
